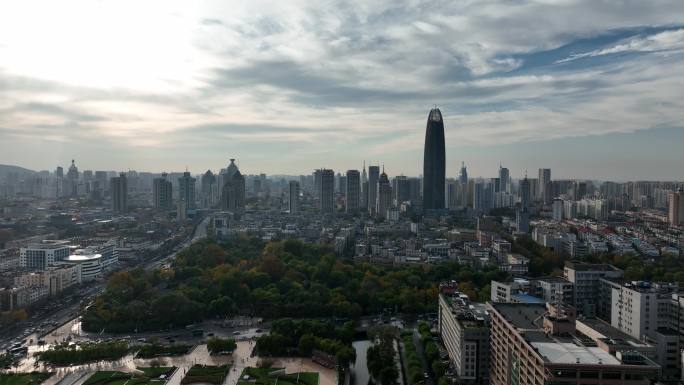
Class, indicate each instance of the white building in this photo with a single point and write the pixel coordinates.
(39, 256)
(91, 265)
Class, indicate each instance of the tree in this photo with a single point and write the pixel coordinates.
(217, 345)
(307, 342)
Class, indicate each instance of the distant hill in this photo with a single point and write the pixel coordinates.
(8, 169)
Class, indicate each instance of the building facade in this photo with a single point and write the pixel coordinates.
(434, 162)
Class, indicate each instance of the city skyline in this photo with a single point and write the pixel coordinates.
(330, 85)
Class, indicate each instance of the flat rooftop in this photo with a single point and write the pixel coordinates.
(612, 333)
(82, 257)
(583, 266)
(563, 349)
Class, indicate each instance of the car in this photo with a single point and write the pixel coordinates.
(236, 333)
(258, 331)
(210, 334)
(426, 375)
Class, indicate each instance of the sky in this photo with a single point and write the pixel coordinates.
(589, 88)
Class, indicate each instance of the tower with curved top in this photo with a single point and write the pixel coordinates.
(434, 162)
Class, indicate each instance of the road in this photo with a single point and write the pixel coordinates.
(65, 310)
(426, 365)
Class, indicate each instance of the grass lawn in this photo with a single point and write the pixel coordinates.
(209, 374)
(158, 371)
(120, 378)
(24, 378)
(260, 376)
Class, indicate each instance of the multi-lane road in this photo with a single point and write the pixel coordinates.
(64, 310)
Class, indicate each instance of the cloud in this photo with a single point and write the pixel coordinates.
(667, 41)
(342, 78)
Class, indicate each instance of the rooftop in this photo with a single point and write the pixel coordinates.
(82, 257)
(472, 314)
(570, 348)
(610, 334)
(583, 266)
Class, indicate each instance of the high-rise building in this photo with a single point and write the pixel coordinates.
(415, 190)
(353, 192)
(463, 175)
(557, 208)
(233, 189)
(118, 187)
(464, 328)
(208, 190)
(402, 189)
(186, 190)
(71, 187)
(293, 201)
(163, 193)
(676, 208)
(434, 162)
(537, 344)
(482, 196)
(59, 172)
(384, 201)
(504, 179)
(543, 180)
(326, 202)
(317, 183)
(523, 213)
(648, 312)
(373, 176)
(452, 194)
(364, 188)
(342, 184)
(586, 280)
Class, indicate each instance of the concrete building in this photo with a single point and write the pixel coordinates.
(40, 256)
(162, 193)
(293, 197)
(544, 179)
(586, 280)
(118, 188)
(232, 189)
(557, 209)
(537, 344)
(373, 177)
(90, 265)
(464, 328)
(326, 203)
(353, 193)
(648, 312)
(676, 208)
(186, 190)
(208, 190)
(384, 202)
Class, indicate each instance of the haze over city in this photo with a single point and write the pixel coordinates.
(593, 89)
(342, 192)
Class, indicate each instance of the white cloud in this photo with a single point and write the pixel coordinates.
(338, 73)
(659, 42)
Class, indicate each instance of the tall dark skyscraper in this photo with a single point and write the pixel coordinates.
(373, 177)
(162, 193)
(326, 204)
(118, 186)
(353, 191)
(434, 162)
